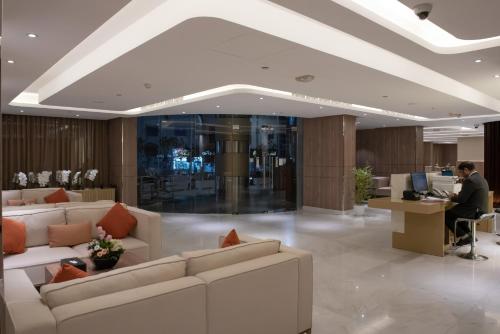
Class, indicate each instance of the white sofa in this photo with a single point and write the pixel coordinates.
(37, 194)
(256, 287)
(144, 241)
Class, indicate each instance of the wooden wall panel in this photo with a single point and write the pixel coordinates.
(391, 150)
(444, 154)
(123, 158)
(329, 156)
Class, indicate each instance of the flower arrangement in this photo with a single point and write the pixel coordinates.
(20, 179)
(77, 179)
(62, 177)
(105, 251)
(91, 174)
(44, 178)
(32, 179)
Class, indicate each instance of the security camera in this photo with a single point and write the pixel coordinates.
(423, 10)
(476, 126)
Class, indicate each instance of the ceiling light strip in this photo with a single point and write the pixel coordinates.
(140, 21)
(401, 19)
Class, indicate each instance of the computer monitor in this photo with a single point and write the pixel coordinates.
(419, 181)
(447, 172)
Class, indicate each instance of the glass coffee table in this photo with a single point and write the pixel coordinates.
(127, 259)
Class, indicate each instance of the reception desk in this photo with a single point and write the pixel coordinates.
(418, 226)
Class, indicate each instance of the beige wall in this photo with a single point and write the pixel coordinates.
(471, 149)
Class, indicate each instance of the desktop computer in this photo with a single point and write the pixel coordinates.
(419, 182)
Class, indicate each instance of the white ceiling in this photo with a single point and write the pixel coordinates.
(205, 53)
(466, 19)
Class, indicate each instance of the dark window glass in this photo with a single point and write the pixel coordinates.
(217, 163)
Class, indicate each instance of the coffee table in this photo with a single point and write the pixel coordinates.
(127, 259)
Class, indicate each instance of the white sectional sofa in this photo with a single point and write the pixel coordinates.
(144, 241)
(37, 194)
(259, 286)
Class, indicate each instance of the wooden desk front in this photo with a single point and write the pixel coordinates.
(424, 230)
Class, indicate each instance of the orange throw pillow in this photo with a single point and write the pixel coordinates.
(13, 236)
(231, 239)
(57, 196)
(117, 222)
(69, 235)
(67, 273)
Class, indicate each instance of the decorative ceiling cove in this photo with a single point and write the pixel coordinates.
(103, 59)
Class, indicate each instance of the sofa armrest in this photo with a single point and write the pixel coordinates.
(305, 286)
(305, 279)
(148, 229)
(74, 196)
(25, 311)
(29, 317)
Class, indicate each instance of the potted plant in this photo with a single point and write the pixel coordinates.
(363, 181)
(105, 251)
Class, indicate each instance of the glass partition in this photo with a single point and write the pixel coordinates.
(217, 163)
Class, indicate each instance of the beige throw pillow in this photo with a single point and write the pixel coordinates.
(69, 235)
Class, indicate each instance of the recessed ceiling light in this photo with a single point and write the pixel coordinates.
(183, 112)
(497, 76)
(305, 78)
(31, 35)
(21, 110)
(320, 107)
(77, 115)
(365, 114)
(274, 113)
(118, 94)
(385, 96)
(10, 61)
(478, 60)
(261, 98)
(217, 106)
(264, 67)
(397, 119)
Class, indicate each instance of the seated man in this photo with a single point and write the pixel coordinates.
(472, 202)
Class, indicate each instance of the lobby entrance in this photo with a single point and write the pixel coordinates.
(217, 163)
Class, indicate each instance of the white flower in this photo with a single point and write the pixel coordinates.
(44, 178)
(23, 180)
(97, 247)
(77, 178)
(91, 174)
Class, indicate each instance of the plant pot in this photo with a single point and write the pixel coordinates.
(359, 209)
(105, 263)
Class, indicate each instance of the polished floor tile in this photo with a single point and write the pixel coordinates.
(361, 284)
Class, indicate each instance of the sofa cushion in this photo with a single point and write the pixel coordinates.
(69, 235)
(36, 222)
(209, 259)
(28, 207)
(14, 236)
(143, 274)
(20, 202)
(37, 193)
(84, 213)
(9, 195)
(57, 196)
(75, 204)
(118, 222)
(130, 244)
(67, 272)
(35, 256)
(231, 239)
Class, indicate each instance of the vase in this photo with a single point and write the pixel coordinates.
(105, 263)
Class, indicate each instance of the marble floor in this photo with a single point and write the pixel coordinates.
(361, 284)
